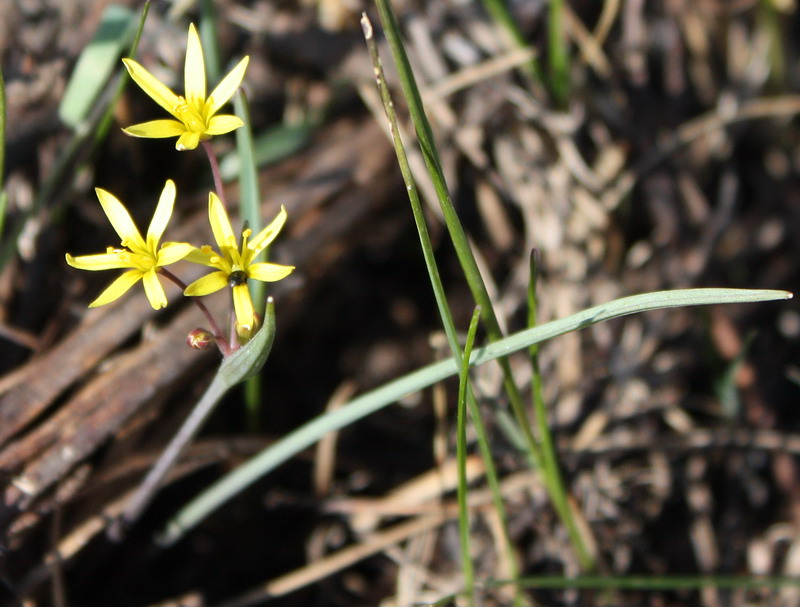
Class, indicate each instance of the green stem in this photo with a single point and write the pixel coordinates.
(461, 456)
(439, 294)
(466, 257)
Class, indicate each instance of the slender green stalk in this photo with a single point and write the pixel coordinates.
(467, 258)
(461, 456)
(498, 11)
(551, 468)
(558, 54)
(646, 583)
(250, 211)
(108, 115)
(439, 293)
(208, 36)
(237, 367)
(3, 197)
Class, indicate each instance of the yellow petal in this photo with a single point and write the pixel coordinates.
(155, 89)
(194, 70)
(211, 283)
(154, 290)
(102, 261)
(121, 220)
(267, 235)
(188, 141)
(225, 89)
(203, 256)
(269, 272)
(118, 288)
(224, 123)
(172, 252)
(220, 224)
(243, 306)
(156, 129)
(161, 216)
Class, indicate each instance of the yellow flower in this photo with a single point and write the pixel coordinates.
(195, 113)
(143, 257)
(234, 264)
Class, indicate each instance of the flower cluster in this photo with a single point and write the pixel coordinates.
(196, 120)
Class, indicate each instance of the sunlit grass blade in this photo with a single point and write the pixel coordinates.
(550, 464)
(2, 130)
(108, 114)
(463, 250)
(308, 434)
(439, 294)
(467, 566)
(96, 64)
(3, 196)
(499, 12)
(207, 30)
(250, 211)
(557, 54)
(644, 583)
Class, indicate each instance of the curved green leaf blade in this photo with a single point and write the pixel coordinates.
(389, 393)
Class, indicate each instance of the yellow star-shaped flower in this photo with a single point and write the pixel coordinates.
(143, 257)
(234, 263)
(196, 115)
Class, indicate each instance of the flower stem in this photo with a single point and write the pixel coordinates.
(212, 160)
(222, 343)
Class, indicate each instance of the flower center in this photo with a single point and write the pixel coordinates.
(190, 116)
(237, 278)
(143, 263)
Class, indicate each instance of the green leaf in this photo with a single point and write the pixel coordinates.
(250, 358)
(377, 399)
(96, 63)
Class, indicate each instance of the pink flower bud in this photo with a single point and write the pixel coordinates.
(199, 339)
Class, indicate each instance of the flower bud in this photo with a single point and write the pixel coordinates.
(199, 339)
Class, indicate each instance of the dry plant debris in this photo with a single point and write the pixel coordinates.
(674, 164)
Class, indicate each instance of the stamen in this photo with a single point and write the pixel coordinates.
(189, 115)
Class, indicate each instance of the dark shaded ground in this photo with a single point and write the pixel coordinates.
(674, 165)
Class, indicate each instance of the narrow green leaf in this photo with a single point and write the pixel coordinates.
(377, 399)
(467, 566)
(271, 146)
(250, 211)
(2, 130)
(207, 30)
(558, 54)
(3, 196)
(499, 12)
(96, 63)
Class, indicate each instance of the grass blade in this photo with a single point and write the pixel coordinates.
(439, 295)
(467, 566)
(466, 257)
(375, 400)
(96, 64)
(250, 211)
